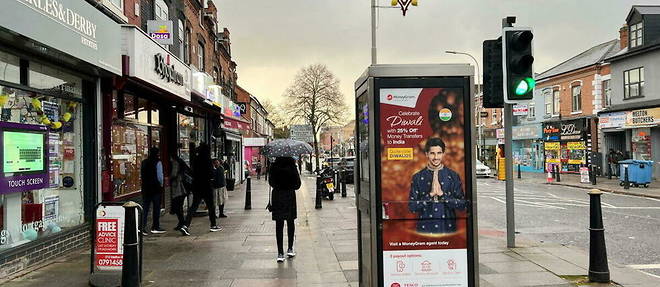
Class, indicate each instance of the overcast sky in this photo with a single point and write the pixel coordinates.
(273, 40)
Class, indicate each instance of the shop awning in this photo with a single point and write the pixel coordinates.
(236, 123)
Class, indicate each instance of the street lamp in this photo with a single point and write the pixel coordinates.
(480, 144)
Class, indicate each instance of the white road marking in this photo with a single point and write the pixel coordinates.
(644, 266)
(649, 274)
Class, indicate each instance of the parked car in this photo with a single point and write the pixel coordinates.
(346, 167)
(482, 170)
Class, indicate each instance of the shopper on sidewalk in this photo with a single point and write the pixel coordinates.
(180, 186)
(257, 169)
(202, 186)
(151, 173)
(219, 186)
(285, 180)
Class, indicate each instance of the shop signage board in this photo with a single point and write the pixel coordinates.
(424, 226)
(109, 238)
(254, 141)
(161, 31)
(72, 26)
(573, 130)
(499, 133)
(520, 110)
(302, 133)
(527, 132)
(150, 62)
(612, 120)
(643, 117)
(24, 163)
(584, 175)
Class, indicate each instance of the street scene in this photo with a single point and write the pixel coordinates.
(402, 143)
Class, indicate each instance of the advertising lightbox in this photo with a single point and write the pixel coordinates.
(23, 160)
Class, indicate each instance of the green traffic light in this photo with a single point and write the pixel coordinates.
(524, 86)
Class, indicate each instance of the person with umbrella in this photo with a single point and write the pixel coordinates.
(285, 180)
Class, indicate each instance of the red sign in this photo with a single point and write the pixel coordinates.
(107, 235)
(109, 238)
(236, 124)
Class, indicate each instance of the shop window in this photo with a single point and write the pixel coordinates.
(9, 68)
(143, 110)
(118, 3)
(129, 106)
(155, 115)
(130, 145)
(576, 98)
(180, 36)
(30, 215)
(633, 83)
(54, 80)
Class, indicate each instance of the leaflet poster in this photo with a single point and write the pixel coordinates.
(423, 175)
(109, 241)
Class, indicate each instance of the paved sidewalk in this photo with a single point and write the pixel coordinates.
(602, 183)
(243, 254)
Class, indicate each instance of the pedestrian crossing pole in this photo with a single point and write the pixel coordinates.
(508, 151)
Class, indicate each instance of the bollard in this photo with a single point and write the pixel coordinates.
(626, 182)
(248, 193)
(609, 170)
(598, 270)
(519, 171)
(337, 181)
(557, 176)
(131, 269)
(593, 173)
(343, 188)
(319, 199)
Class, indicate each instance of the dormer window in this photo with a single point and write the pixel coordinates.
(636, 35)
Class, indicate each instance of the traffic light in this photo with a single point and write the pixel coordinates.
(518, 60)
(492, 63)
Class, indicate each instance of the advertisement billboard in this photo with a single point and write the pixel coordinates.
(424, 176)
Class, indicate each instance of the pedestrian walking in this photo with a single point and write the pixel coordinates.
(257, 169)
(180, 186)
(284, 180)
(202, 186)
(151, 173)
(220, 186)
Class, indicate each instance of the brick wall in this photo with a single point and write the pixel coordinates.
(584, 77)
(22, 258)
(129, 11)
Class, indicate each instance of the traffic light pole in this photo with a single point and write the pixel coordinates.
(508, 152)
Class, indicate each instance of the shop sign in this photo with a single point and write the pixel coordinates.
(526, 132)
(612, 120)
(161, 31)
(575, 146)
(499, 133)
(109, 238)
(520, 110)
(254, 141)
(551, 131)
(150, 62)
(551, 146)
(214, 95)
(242, 107)
(483, 114)
(643, 117)
(72, 26)
(235, 124)
(573, 130)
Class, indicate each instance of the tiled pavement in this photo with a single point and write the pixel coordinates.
(243, 254)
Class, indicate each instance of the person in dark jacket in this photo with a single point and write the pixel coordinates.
(436, 193)
(179, 191)
(219, 186)
(202, 186)
(285, 180)
(151, 173)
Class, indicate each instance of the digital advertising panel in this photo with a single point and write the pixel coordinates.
(425, 171)
(23, 160)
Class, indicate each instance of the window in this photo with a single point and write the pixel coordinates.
(636, 35)
(181, 35)
(200, 57)
(186, 47)
(160, 10)
(118, 3)
(633, 83)
(531, 114)
(547, 95)
(555, 98)
(576, 98)
(607, 93)
(9, 68)
(215, 75)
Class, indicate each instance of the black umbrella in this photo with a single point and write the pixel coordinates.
(286, 148)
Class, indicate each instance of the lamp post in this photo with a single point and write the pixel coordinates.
(480, 126)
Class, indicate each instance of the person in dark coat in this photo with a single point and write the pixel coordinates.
(202, 186)
(179, 190)
(219, 186)
(284, 180)
(151, 173)
(436, 192)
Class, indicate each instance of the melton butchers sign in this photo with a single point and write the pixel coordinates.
(167, 71)
(645, 117)
(71, 26)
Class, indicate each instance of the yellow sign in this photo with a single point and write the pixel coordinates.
(553, 160)
(405, 153)
(501, 168)
(576, 161)
(552, 146)
(576, 145)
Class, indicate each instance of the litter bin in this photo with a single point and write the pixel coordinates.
(639, 172)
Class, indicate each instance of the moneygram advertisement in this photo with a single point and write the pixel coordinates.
(423, 191)
(109, 238)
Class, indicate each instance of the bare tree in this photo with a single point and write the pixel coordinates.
(276, 116)
(315, 99)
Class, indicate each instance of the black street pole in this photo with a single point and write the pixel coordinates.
(130, 272)
(593, 173)
(248, 193)
(626, 179)
(319, 199)
(519, 176)
(558, 173)
(598, 269)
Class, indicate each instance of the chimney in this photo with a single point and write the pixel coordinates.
(623, 36)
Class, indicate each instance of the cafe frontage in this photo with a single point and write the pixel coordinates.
(568, 144)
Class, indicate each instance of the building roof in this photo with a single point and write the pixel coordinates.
(644, 10)
(592, 56)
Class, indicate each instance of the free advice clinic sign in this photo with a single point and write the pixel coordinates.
(424, 237)
(109, 239)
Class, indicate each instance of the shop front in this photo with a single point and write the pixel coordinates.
(644, 131)
(48, 95)
(252, 152)
(566, 144)
(528, 147)
(147, 108)
(613, 137)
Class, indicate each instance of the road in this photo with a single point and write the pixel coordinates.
(561, 215)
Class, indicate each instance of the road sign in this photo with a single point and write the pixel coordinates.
(302, 133)
(520, 110)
